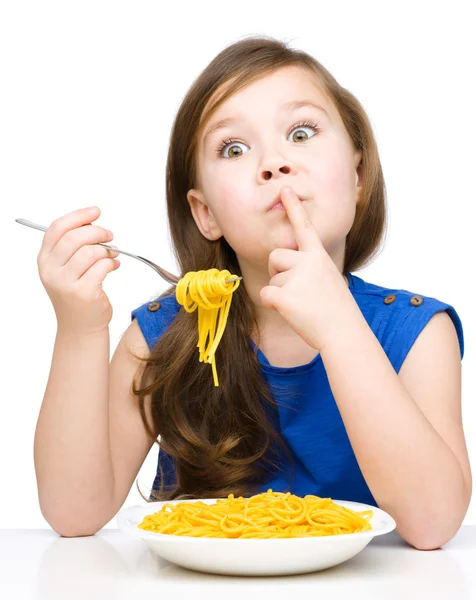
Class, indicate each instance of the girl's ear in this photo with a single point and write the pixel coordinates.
(203, 215)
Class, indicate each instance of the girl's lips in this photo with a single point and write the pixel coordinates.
(279, 205)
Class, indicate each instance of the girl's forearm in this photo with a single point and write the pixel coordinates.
(71, 449)
(410, 470)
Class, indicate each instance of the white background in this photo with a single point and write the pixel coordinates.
(89, 93)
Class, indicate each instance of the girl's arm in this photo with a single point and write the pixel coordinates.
(90, 441)
(406, 429)
(72, 454)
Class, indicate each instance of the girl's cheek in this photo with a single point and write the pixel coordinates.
(337, 176)
(234, 202)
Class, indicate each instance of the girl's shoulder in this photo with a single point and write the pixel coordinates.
(397, 316)
(155, 316)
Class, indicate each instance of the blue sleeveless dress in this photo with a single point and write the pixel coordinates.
(309, 419)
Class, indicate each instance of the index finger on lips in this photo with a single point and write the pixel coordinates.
(307, 237)
(72, 220)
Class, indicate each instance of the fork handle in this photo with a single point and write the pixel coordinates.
(31, 224)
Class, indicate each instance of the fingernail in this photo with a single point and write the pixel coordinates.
(286, 190)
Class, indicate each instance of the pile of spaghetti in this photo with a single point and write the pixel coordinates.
(209, 291)
(267, 515)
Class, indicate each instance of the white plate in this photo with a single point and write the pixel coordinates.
(269, 556)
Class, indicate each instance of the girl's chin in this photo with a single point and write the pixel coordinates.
(291, 245)
(285, 241)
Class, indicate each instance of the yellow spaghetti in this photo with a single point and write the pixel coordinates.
(208, 291)
(267, 515)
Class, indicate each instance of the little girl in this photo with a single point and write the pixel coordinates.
(328, 385)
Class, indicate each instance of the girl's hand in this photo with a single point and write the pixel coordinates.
(306, 287)
(72, 268)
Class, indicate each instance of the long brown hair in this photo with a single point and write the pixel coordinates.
(226, 439)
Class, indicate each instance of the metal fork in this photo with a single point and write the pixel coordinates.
(169, 277)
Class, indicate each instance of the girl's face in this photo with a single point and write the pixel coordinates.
(269, 142)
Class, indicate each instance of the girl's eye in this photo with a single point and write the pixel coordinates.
(226, 143)
(296, 138)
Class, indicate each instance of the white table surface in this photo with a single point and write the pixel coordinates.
(39, 564)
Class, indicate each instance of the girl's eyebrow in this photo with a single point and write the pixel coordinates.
(291, 106)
